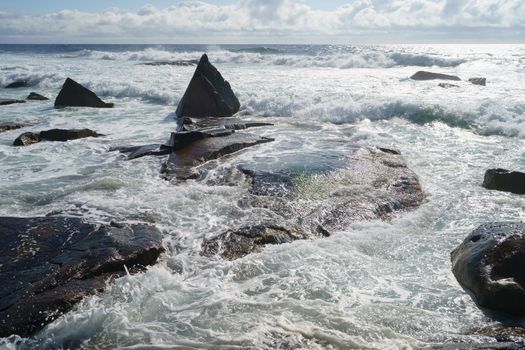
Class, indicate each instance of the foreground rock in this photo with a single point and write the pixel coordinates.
(188, 124)
(11, 126)
(370, 184)
(490, 264)
(4, 102)
(48, 264)
(478, 81)
(17, 84)
(208, 94)
(33, 96)
(504, 180)
(62, 135)
(423, 75)
(75, 95)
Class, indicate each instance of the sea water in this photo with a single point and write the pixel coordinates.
(379, 285)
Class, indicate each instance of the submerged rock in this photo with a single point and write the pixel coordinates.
(478, 81)
(179, 63)
(17, 84)
(423, 75)
(208, 94)
(5, 102)
(47, 264)
(62, 135)
(11, 126)
(504, 180)
(75, 95)
(36, 97)
(187, 124)
(447, 85)
(490, 264)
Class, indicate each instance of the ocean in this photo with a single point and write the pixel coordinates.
(374, 285)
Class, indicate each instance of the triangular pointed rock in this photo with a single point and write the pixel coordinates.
(75, 95)
(208, 94)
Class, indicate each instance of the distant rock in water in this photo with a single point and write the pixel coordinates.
(75, 95)
(504, 180)
(4, 102)
(423, 75)
(179, 63)
(490, 264)
(29, 138)
(447, 85)
(478, 81)
(17, 84)
(36, 97)
(208, 94)
(11, 126)
(48, 264)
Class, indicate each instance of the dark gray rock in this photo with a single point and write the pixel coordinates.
(33, 96)
(54, 135)
(12, 126)
(447, 85)
(187, 124)
(490, 264)
(48, 264)
(135, 152)
(208, 94)
(504, 180)
(75, 95)
(265, 183)
(235, 244)
(5, 102)
(478, 81)
(17, 84)
(423, 75)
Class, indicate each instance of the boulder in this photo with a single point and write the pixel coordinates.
(423, 75)
(478, 81)
(5, 102)
(48, 264)
(11, 126)
(504, 180)
(490, 265)
(33, 96)
(447, 85)
(54, 135)
(17, 84)
(75, 95)
(208, 94)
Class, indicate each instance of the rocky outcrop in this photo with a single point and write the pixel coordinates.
(490, 264)
(33, 96)
(447, 85)
(504, 180)
(5, 102)
(62, 135)
(208, 94)
(75, 95)
(188, 124)
(47, 264)
(478, 81)
(423, 75)
(17, 84)
(11, 126)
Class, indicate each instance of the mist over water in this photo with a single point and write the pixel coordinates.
(385, 285)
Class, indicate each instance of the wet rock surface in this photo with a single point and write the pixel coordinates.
(188, 124)
(62, 135)
(208, 94)
(75, 95)
(178, 63)
(504, 180)
(5, 102)
(33, 96)
(447, 85)
(478, 81)
(17, 84)
(12, 126)
(490, 264)
(47, 264)
(424, 75)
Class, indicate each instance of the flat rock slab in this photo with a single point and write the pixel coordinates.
(423, 75)
(61, 135)
(4, 102)
(47, 264)
(490, 264)
(75, 95)
(33, 96)
(134, 152)
(188, 124)
(504, 180)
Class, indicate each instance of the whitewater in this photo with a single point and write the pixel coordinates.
(374, 285)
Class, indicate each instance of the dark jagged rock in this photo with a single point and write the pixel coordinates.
(179, 63)
(54, 135)
(423, 75)
(277, 184)
(11, 126)
(478, 81)
(187, 124)
(389, 150)
(208, 94)
(504, 180)
(4, 102)
(235, 244)
(17, 84)
(490, 264)
(33, 96)
(181, 161)
(447, 85)
(48, 264)
(75, 95)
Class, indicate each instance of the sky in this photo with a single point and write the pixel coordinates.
(262, 21)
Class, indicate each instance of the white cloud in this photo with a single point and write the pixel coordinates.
(249, 19)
